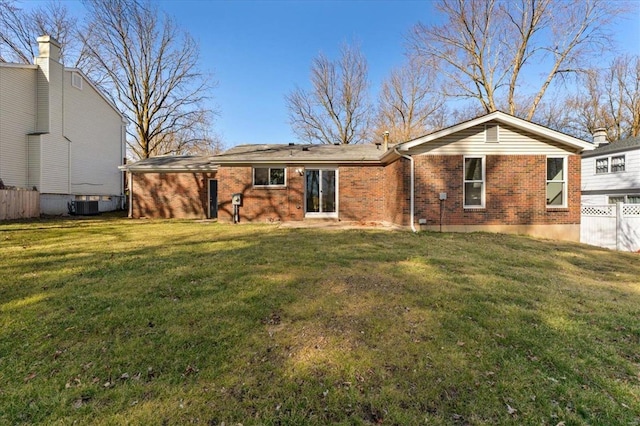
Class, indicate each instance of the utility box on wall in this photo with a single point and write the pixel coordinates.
(236, 199)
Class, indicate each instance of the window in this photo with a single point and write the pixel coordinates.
(473, 182)
(556, 182)
(617, 164)
(627, 199)
(76, 80)
(491, 133)
(602, 165)
(268, 176)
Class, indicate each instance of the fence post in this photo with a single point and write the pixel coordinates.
(619, 225)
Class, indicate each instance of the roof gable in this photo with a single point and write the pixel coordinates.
(565, 141)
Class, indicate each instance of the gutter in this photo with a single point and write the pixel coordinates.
(410, 158)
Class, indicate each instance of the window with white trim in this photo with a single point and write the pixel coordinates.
(474, 184)
(556, 181)
(269, 176)
(617, 164)
(627, 199)
(602, 165)
(614, 164)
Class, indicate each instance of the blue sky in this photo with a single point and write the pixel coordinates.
(258, 51)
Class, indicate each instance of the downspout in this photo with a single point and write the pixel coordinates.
(410, 158)
(130, 213)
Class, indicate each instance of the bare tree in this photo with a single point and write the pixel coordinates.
(19, 30)
(485, 47)
(336, 109)
(409, 103)
(609, 98)
(151, 69)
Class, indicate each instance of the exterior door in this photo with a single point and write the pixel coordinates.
(321, 193)
(213, 199)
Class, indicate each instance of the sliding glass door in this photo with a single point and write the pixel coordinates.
(321, 193)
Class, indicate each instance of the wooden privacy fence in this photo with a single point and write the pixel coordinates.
(614, 226)
(19, 204)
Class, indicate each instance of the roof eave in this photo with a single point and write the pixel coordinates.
(297, 161)
(160, 169)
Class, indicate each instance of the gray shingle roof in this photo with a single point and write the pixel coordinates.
(173, 163)
(263, 154)
(613, 147)
(308, 153)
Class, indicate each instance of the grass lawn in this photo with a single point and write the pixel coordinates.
(115, 321)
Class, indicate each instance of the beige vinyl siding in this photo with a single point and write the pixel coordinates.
(43, 119)
(54, 147)
(33, 155)
(95, 131)
(17, 119)
(629, 179)
(472, 142)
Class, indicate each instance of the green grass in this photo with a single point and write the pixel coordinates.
(112, 321)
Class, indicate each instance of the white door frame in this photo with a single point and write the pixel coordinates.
(336, 183)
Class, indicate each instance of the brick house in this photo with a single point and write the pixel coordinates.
(494, 173)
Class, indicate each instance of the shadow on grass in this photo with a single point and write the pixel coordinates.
(178, 322)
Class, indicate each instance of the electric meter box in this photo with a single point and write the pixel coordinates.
(236, 199)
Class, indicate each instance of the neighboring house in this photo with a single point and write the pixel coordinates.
(611, 173)
(59, 134)
(494, 173)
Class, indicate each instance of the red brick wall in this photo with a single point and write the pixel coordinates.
(171, 195)
(397, 192)
(362, 193)
(515, 191)
(260, 204)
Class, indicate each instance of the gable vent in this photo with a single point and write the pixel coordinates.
(491, 133)
(76, 80)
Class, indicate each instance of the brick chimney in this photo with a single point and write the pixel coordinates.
(600, 136)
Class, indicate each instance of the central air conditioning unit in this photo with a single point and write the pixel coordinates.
(84, 208)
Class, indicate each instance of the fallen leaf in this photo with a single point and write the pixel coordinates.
(30, 377)
(511, 410)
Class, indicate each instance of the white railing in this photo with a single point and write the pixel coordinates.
(614, 226)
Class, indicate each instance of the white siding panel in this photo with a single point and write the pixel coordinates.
(34, 161)
(43, 118)
(629, 179)
(590, 200)
(95, 131)
(17, 119)
(55, 148)
(472, 142)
